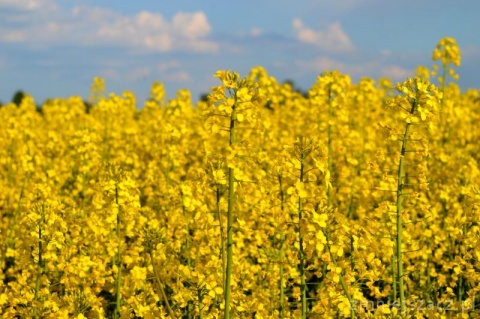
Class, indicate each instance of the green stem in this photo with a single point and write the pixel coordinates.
(442, 90)
(342, 281)
(222, 238)
(187, 256)
(39, 273)
(13, 224)
(461, 282)
(401, 173)
(282, 253)
(160, 285)
(187, 239)
(118, 282)
(352, 260)
(329, 159)
(301, 253)
(429, 278)
(394, 279)
(200, 304)
(82, 192)
(324, 274)
(231, 194)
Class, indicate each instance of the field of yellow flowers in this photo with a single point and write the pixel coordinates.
(358, 200)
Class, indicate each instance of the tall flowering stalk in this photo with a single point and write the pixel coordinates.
(45, 233)
(301, 151)
(418, 103)
(448, 53)
(329, 94)
(117, 205)
(97, 90)
(236, 100)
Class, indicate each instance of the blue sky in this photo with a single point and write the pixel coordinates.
(53, 48)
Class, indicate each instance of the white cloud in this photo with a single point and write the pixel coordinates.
(191, 25)
(255, 32)
(27, 5)
(12, 36)
(332, 39)
(89, 26)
